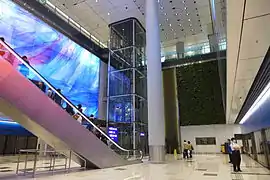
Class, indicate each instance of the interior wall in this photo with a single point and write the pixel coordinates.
(220, 132)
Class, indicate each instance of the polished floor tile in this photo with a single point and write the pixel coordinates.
(203, 167)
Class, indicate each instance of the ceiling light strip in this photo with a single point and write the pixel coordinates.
(265, 94)
(73, 23)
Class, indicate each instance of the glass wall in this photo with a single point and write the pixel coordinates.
(260, 149)
(267, 145)
(257, 146)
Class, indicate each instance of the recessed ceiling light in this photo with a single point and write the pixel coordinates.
(185, 8)
(167, 19)
(176, 14)
(188, 19)
(108, 13)
(165, 14)
(187, 14)
(190, 25)
(183, 1)
(180, 24)
(170, 24)
(172, 30)
(192, 29)
(96, 0)
(161, 7)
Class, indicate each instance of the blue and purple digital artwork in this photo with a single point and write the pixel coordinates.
(65, 64)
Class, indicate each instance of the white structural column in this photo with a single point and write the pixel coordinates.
(213, 42)
(156, 124)
(180, 49)
(102, 105)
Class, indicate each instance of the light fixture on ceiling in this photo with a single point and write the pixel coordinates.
(161, 7)
(108, 13)
(165, 14)
(190, 25)
(180, 24)
(170, 24)
(185, 8)
(167, 19)
(96, 0)
(184, 2)
(187, 14)
(176, 14)
(189, 20)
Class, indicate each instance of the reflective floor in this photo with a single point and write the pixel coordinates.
(201, 167)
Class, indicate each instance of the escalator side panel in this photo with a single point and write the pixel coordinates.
(33, 103)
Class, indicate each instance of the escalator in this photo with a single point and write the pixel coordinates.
(25, 103)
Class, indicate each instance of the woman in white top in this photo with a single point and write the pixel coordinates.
(236, 156)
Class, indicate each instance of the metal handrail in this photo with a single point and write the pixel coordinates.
(64, 98)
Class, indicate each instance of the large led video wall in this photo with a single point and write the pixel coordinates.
(65, 64)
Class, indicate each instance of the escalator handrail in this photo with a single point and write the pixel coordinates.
(65, 99)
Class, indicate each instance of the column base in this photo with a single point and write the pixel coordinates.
(157, 154)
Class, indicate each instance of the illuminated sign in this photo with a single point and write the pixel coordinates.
(113, 133)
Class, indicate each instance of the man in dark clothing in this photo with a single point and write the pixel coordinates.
(236, 156)
(69, 110)
(23, 69)
(57, 98)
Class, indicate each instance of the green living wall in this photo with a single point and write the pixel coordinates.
(199, 94)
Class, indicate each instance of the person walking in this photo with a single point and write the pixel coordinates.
(236, 156)
(190, 149)
(185, 151)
